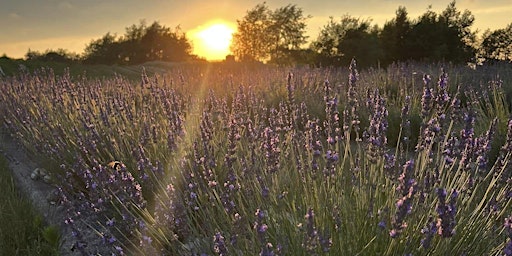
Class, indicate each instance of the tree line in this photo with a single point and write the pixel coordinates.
(279, 36)
(140, 43)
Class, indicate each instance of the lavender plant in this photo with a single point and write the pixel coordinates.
(216, 161)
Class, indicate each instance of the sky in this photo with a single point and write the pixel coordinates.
(72, 24)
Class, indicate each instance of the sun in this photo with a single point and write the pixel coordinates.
(212, 41)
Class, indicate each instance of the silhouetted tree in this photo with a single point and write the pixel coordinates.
(458, 30)
(140, 44)
(394, 36)
(363, 44)
(251, 40)
(339, 42)
(446, 36)
(265, 35)
(59, 55)
(287, 29)
(497, 45)
(105, 50)
(329, 38)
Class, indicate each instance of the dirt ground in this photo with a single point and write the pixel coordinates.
(36, 190)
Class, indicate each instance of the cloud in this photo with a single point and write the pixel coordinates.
(14, 15)
(65, 6)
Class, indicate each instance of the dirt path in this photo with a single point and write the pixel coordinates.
(37, 191)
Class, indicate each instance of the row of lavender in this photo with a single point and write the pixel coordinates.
(218, 161)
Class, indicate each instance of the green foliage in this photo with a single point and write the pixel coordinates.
(497, 45)
(59, 55)
(140, 44)
(266, 35)
(339, 42)
(445, 36)
(431, 37)
(52, 236)
(393, 37)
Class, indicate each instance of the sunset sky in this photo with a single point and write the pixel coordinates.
(71, 24)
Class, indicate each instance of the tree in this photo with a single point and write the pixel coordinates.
(104, 50)
(424, 39)
(265, 35)
(339, 42)
(59, 55)
(286, 29)
(458, 27)
(394, 36)
(251, 41)
(155, 42)
(362, 44)
(446, 36)
(140, 44)
(497, 45)
(329, 38)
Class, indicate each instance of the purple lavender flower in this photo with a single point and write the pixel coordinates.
(430, 132)
(426, 99)
(290, 88)
(258, 225)
(507, 147)
(442, 98)
(311, 239)
(206, 128)
(483, 146)
(261, 230)
(332, 158)
(375, 135)
(446, 212)
(238, 229)
(451, 150)
(314, 240)
(350, 114)
(381, 224)
(314, 145)
(331, 124)
(405, 124)
(501, 162)
(219, 245)
(406, 190)
(293, 111)
(233, 137)
(231, 184)
(428, 233)
(390, 164)
(271, 149)
(267, 250)
(508, 228)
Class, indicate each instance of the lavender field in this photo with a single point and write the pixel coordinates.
(234, 160)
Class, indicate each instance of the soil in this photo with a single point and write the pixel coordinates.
(37, 191)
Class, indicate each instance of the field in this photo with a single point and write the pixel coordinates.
(228, 159)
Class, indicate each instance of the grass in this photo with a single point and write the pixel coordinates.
(14, 66)
(243, 161)
(22, 230)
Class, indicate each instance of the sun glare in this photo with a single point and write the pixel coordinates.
(213, 40)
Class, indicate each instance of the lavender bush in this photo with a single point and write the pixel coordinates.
(233, 161)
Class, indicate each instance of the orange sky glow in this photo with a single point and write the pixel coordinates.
(72, 24)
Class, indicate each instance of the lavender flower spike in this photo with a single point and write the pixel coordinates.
(446, 213)
(508, 228)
